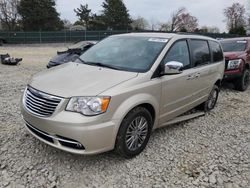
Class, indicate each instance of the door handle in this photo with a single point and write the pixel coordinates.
(190, 77)
(194, 76)
(198, 75)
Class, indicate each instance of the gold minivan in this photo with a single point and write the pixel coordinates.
(121, 89)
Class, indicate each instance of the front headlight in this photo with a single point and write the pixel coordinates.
(234, 64)
(88, 106)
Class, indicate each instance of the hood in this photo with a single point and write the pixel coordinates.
(233, 55)
(73, 79)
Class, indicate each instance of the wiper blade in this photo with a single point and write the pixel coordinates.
(80, 60)
(102, 65)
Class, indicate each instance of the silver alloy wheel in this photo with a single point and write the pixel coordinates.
(212, 99)
(136, 133)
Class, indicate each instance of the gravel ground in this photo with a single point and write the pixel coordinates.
(210, 151)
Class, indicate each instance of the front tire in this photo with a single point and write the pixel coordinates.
(134, 132)
(242, 83)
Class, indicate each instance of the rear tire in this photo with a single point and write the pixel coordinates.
(242, 83)
(210, 103)
(134, 132)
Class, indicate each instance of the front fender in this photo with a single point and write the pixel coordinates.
(127, 105)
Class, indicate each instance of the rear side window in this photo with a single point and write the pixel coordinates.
(200, 51)
(216, 51)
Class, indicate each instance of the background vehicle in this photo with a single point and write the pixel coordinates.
(121, 89)
(71, 54)
(237, 55)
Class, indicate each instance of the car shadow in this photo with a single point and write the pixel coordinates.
(228, 85)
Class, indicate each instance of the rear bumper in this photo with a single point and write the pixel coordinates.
(71, 132)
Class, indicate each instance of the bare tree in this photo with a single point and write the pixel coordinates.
(8, 13)
(164, 26)
(235, 16)
(153, 24)
(187, 22)
(210, 29)
(181, 20)
(140, 23)
(175, 19)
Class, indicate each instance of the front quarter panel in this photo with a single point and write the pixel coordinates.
(124, 100)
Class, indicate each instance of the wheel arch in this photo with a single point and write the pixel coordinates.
(150, 108)
(144, 100)
(218, 83)
(120, 145)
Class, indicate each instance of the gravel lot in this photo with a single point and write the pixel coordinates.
(210, 151)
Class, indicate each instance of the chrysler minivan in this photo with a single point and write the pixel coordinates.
(121, 89)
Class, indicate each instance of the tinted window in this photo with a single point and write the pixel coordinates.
(234, 45)
(179, 52)
(216, 51)
(200, 52)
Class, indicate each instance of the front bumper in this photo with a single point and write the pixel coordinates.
(232, 74)
(72, 132)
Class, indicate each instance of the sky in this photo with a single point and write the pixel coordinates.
(208, 12)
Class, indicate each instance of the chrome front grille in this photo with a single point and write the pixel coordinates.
(40, 103)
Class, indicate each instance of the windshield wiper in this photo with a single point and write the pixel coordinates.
(101, 65)
(80, 60)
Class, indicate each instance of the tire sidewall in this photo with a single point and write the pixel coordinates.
(207, 108)
(121, 137)
(245, 74)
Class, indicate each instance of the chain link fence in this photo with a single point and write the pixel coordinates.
(71, 36)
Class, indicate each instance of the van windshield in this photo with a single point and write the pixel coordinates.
(234, 45)
(128, 53)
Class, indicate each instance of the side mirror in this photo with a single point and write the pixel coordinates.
(173, 67)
